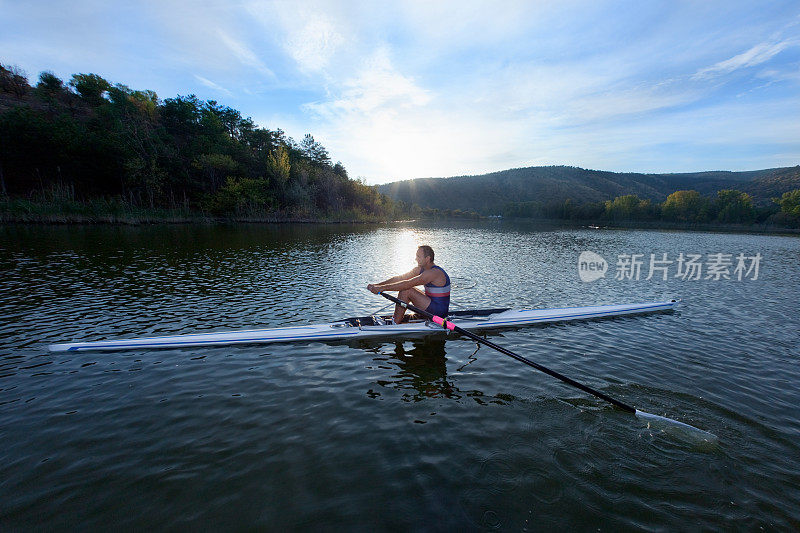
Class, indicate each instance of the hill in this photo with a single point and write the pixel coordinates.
(488, 193)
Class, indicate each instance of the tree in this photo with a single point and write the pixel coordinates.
(91, 87)
(242, 196)
(314, 150)
(262, 141)
(279, 166)
(339, 169)
(627, 207)
(49, 86)
(124, 97)
(13, 80)
(686, 206)
(214, 167)
(790, 203)
(734, 207)
(181, 115)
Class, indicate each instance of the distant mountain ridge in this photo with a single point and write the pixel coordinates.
(488, 193)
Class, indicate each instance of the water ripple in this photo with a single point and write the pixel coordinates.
(425, 433)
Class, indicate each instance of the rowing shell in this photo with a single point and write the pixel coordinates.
(372, 326)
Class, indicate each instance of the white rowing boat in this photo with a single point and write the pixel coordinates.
(372, 326)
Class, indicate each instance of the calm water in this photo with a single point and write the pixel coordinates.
(425, 434)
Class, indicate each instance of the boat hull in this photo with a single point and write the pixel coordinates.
(368, 327)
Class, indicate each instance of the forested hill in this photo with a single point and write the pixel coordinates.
(94, 142)
(490, 193)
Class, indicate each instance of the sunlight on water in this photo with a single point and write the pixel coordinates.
(403, 248)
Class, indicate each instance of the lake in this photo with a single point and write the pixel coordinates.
(430, 433)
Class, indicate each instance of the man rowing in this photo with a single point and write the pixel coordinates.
(435, 299)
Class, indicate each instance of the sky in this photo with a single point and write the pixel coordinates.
(411, 89)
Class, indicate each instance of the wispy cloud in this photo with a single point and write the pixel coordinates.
(244, 54)
(313, 45)
(758, 54)
(311, 33)
(378, 88)
(212, 85)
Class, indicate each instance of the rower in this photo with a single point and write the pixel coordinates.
(435, 299)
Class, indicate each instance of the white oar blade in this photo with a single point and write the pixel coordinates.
(673, 426)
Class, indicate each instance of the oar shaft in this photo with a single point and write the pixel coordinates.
(537, 366)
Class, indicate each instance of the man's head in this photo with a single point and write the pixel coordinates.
(424, 256)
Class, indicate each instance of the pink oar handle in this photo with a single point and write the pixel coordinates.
(444, 323)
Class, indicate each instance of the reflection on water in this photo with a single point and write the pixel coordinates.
(419, 369)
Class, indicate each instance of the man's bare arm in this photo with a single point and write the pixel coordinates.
(403, 284)
(400, 277)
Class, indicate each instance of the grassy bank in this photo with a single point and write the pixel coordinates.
(95, 211)
(60, 210)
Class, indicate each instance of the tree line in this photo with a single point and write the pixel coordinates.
(729, 206)
(89, 138)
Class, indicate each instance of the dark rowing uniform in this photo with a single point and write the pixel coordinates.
(440, 296)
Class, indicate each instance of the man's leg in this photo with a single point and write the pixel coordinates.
(413, 296)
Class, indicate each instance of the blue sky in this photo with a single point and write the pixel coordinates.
(402, 90)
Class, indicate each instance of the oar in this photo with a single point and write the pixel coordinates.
(625, 407)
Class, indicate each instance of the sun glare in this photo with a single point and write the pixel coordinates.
(405, 246)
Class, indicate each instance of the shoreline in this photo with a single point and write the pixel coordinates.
(85, 214)
(761, 229)
(146, 219)
(26, 212)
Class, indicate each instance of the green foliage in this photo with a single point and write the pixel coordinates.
(686, 206)
(730, 206)
(314, 150)
(90, 87)
(50, 86)
(734, 207)
(213, 167)
(109, 141)
(547, 210)
(123, 97)
(589, 211)
(13, 81)
(628, 207)
(790, 203)
(243, 197)
(279, 167)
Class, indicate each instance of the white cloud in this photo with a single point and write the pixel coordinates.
(310, 33)
(244, 54)
(758, 54)
(377, 89)
(212, 85)
(313, 45)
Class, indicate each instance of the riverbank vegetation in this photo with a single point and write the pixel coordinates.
(681, 208)
(90, 150)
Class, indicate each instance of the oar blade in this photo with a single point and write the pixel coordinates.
(676, 428)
